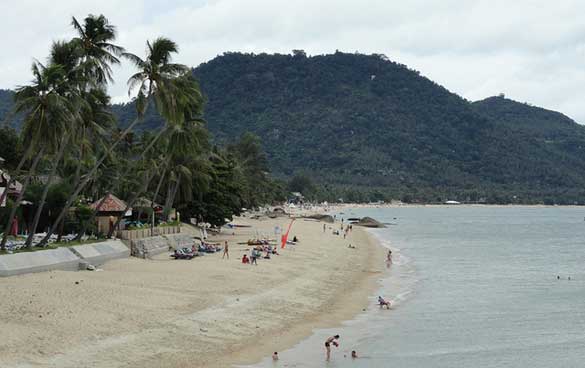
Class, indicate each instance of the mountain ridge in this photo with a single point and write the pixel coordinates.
(366, 123)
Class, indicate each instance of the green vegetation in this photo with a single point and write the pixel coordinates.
(363, 128)
(69, 151)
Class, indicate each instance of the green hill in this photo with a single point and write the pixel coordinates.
(371, 128)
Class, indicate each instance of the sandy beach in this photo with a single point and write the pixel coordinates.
(207, 312)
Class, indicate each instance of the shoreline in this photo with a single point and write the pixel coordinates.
(346, 307)
(207, 312)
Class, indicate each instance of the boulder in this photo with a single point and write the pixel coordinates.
(321, 217)
(369, 222)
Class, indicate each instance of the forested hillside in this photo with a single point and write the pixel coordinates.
(366, 128)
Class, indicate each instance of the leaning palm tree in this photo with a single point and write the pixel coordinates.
(155, 82)
(49, 114)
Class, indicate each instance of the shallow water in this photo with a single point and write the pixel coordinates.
(471, 287)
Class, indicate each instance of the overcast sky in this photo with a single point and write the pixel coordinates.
(531, 50)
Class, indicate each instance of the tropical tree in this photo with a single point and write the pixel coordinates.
(49, 112)
(97, 52)
(155, 82)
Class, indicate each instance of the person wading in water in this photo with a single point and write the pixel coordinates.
(328, 342)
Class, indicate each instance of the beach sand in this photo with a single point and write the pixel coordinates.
(206, 312)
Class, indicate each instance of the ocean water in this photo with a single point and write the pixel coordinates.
(471, 287)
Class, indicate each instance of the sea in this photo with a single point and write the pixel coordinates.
(471, 286)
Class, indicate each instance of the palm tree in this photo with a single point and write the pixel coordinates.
(155, 82)
(48, 114)
(85, 61)
(98, 54)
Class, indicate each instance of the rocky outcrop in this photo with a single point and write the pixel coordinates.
(321, 217)
(369, 222)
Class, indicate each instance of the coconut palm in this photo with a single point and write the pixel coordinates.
(155, 82)
(98, 53)
(49, 113)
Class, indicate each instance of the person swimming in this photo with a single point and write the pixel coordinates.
(383, 303)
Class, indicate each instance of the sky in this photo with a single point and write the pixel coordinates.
(531, 50)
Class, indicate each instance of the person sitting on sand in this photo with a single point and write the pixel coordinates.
(275, 356)
(328, 342)
(295, 239)
(354, 354)
(245, 259)
(383, 303)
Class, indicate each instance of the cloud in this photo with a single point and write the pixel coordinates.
(531, 50)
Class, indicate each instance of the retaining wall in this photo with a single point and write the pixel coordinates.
(99, 253)
(39, 261)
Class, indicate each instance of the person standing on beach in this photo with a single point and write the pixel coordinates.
(328, 342)
(226, 251)
(324, 226)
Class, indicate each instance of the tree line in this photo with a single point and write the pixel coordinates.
(70, 150)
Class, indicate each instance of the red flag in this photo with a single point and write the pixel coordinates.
(285, 236)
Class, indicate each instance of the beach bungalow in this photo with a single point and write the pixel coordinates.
(13, 191)
(111, 208)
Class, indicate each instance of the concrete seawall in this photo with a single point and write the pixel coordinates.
(99, 253)
(64, 258)
(40, 261)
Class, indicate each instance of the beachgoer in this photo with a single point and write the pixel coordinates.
(354, 354)
(383, 303)
(254, 255)
(558, 277)
(328, 342)
(350, 227)
(324, 226)
(226, 251)
(389, 256)
(245, 259)
(275, 356)
(295, 239)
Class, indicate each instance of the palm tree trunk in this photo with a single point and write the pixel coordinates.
(173, 195)
(166, 208)
(41, 204)
(88, 178)
(78, 168)
(20, 195)
(18, 168)
(61, 227)
(151, 144)
(158, 186)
